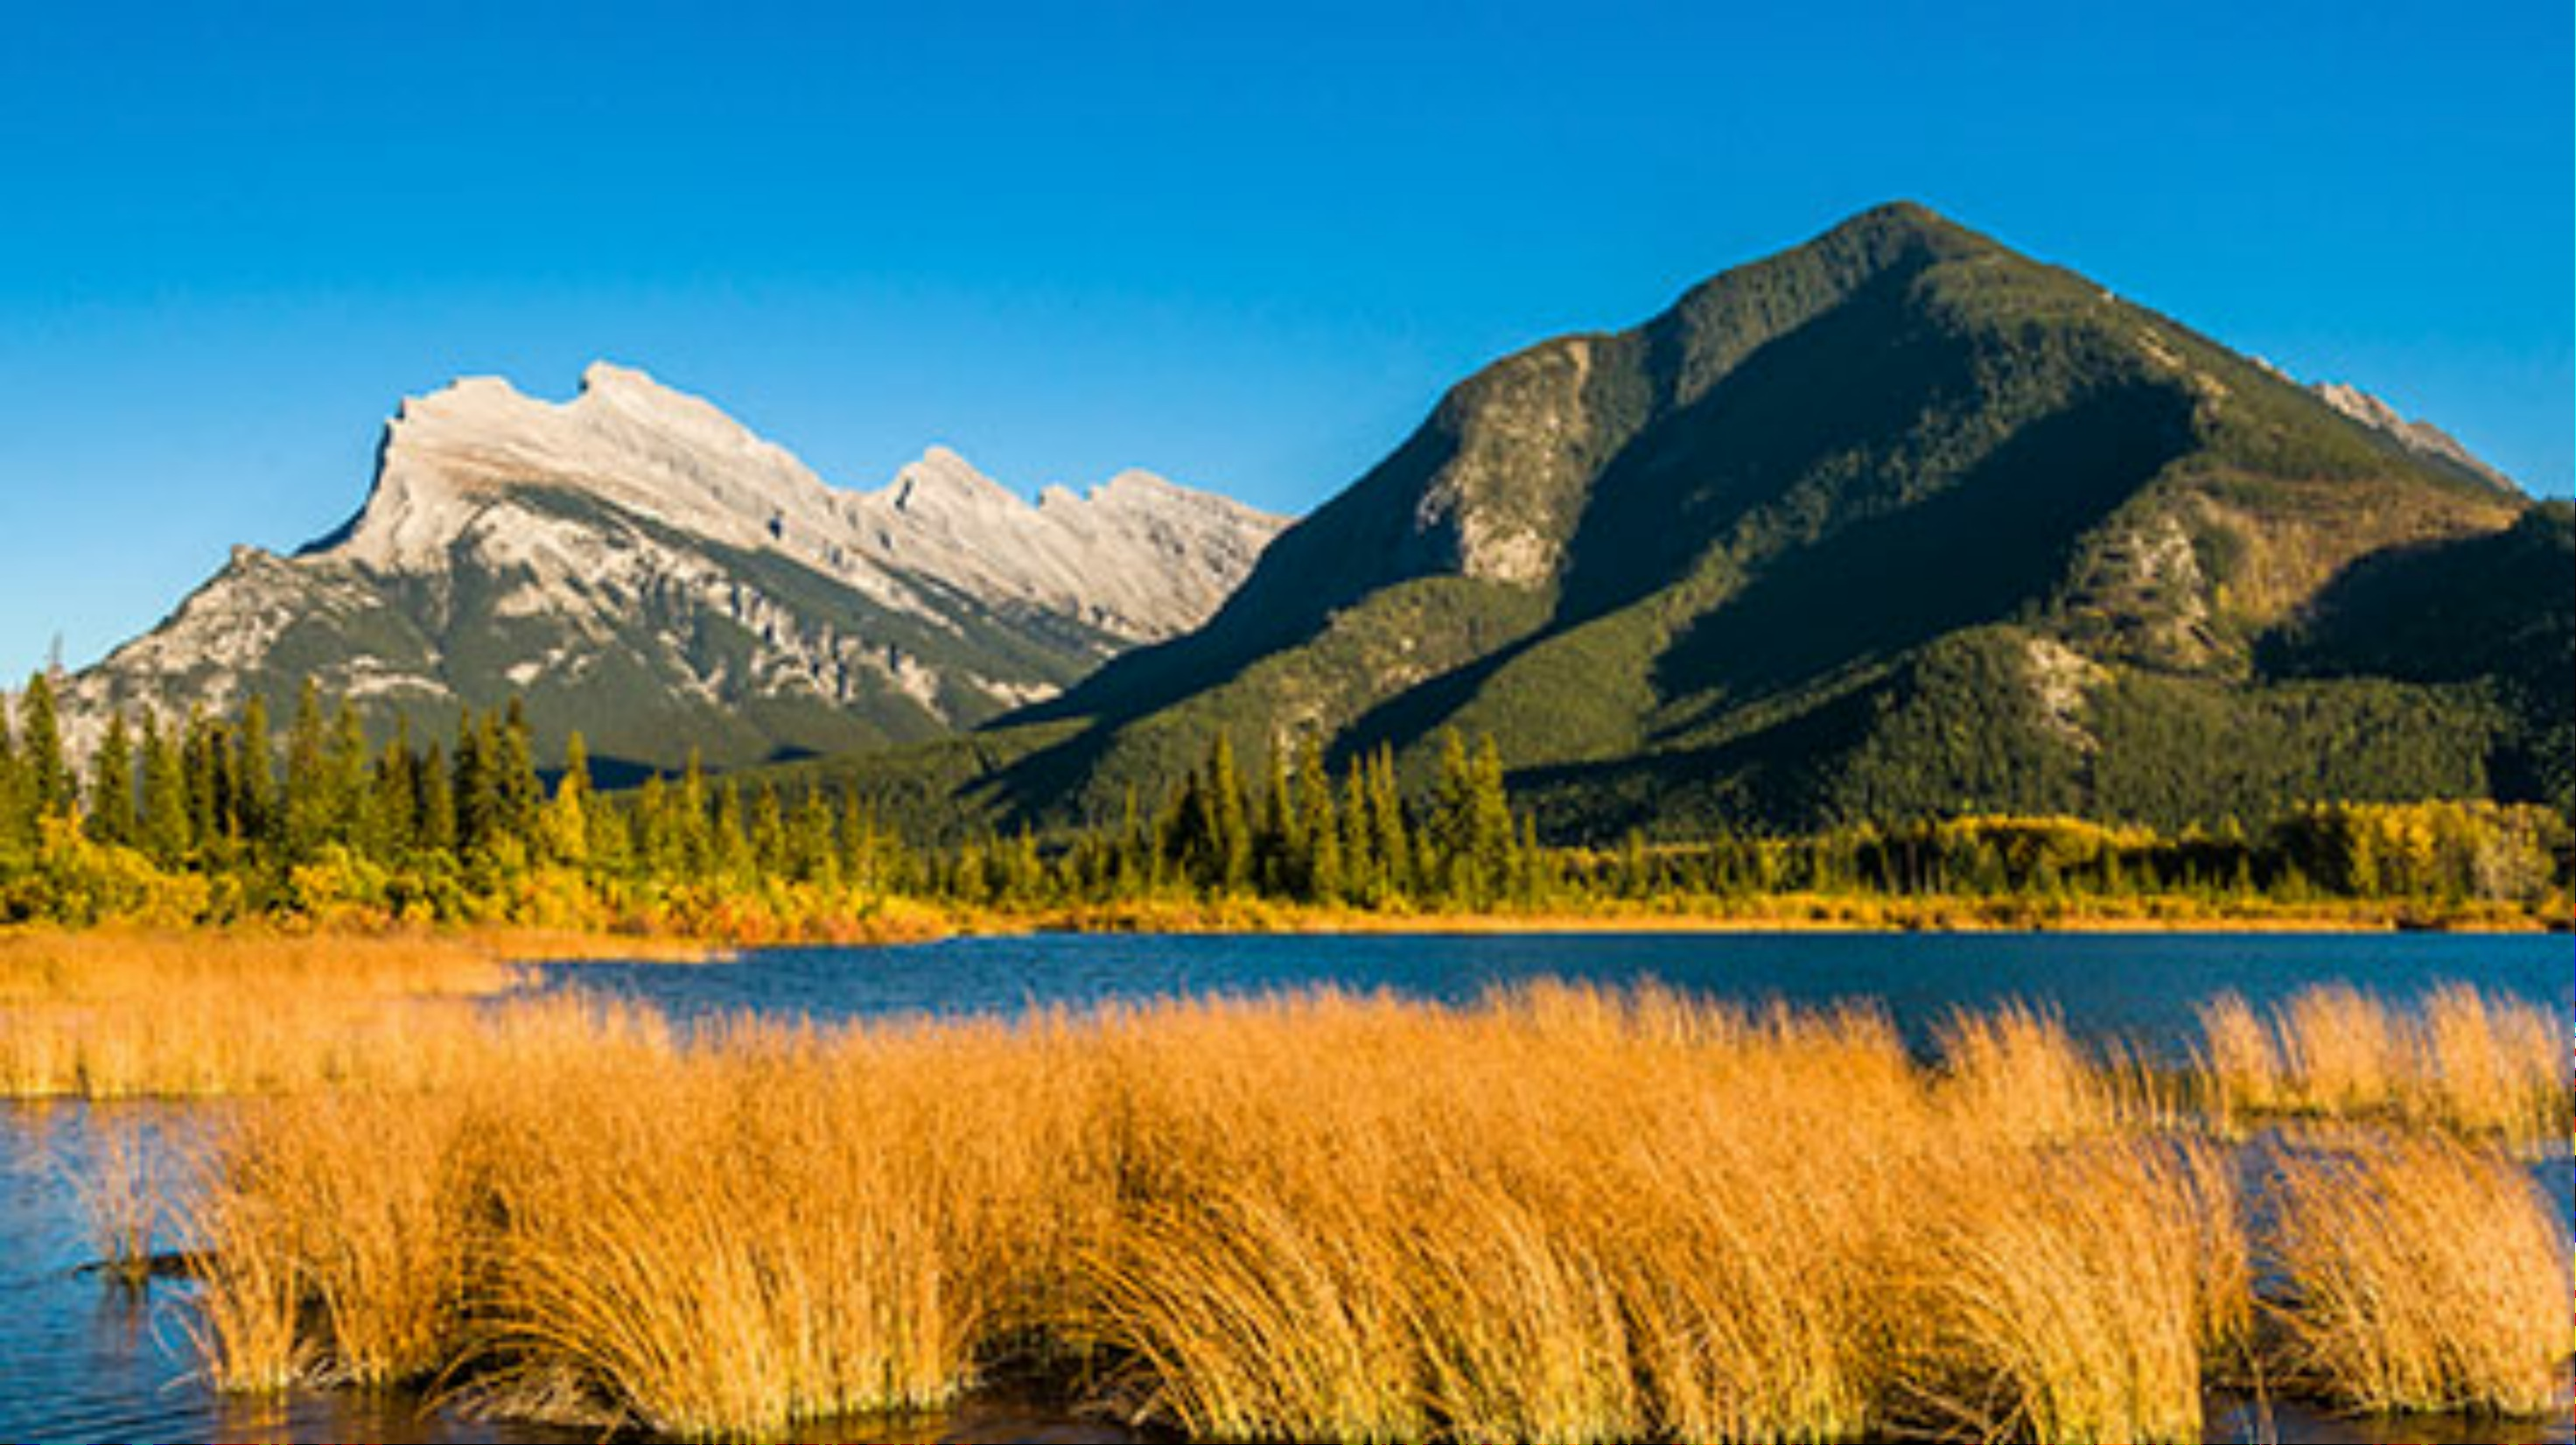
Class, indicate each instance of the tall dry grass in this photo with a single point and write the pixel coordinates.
(118, 1016)
(2425, 1275)
(2459, 1059)
(117, 1176)
(1561, 1214)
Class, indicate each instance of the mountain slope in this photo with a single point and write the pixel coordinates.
(639, 566)
(1897, 521)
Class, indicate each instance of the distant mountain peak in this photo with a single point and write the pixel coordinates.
(2421, 437)
(644, 567)
(1807, 543)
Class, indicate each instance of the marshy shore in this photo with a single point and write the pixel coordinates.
(1560, 1213)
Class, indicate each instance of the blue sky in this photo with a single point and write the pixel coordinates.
(1242, 246)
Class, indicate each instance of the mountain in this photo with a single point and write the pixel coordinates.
(639, 566)
(1897, 522)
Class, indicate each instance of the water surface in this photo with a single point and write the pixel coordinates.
(82, 1359)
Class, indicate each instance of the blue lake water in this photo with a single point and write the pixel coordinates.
(2139, 986)
(84, 1360)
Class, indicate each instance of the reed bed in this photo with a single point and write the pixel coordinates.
(119, 1016)
(2459, 1059)
(2424, 1276)
(1560, 1214)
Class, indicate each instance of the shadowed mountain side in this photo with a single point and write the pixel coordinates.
(1894, 522)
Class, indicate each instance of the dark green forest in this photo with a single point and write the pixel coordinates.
(228, 819)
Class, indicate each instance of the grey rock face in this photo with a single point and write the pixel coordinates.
(2420, 437)
(641, 567)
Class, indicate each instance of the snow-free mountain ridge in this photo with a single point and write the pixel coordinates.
(642, 567)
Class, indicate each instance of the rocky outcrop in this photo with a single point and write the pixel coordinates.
(2420, 437)
(640, 566)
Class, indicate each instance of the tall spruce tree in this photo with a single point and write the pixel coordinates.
(110, 818)
(50, 791)
(164, 831)
(253, 777)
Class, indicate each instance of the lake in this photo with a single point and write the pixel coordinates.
(83, 1360)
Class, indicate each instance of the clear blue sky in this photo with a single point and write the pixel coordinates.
(1244, 247)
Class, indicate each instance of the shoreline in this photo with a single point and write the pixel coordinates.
(913, 923)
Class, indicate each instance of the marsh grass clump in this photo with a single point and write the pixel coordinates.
(2423, 1275)
(1558, 1213)
(2074, 1294)
(2496, 1066)
(122, 1189)
(2459, 1059)
(108, 1016)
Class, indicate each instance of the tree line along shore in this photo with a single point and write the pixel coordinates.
(221, 820)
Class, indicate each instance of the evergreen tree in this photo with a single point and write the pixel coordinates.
(697, 838)
(308, 802)
(207, 755)
(111, 817)
(1486, 834)
(1390, 839)
(1280, 860)
(350, 814)
(478, 784)
(435, 791)
(165, 832)
(728, 847)
(657, 835)
(396, 788)
(522, 794)
(811, 854)
(47, 778)
(860, 856)
(1229, 821)
(1323, 880)
(1363, 872)
(253, 777)
(566, 827)
(768, 832)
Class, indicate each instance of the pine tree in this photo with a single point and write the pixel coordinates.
(1488, 835)
(207, 755)
(861, 859)
(111, 817)
(728, 849)
(308, 802)
(657, 835)
(522, 794)
(768, 832)
(1230, 825)
(435, 791)
(811, 856)
(350, 818)
(567, 816)
(396, 787)
(165, 795)
(479, 818)
(1280, 860)
(1323, 880)
(697, 839)
(48, 779)
(253, 777)
(1363, 872)
(1390, 840)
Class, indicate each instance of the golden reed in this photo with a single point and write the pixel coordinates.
(1560, 1214)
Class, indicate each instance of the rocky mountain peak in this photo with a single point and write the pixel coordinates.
(2420, 437)
(943, 480)
(641, 566)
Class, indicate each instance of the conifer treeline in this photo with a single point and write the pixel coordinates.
(215, 818)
